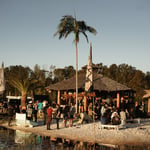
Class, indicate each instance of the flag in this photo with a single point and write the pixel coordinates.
(89, 73)
(2, 81)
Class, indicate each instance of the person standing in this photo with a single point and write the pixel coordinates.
(58, 113)
(49, 116)
(123, 117)
(40, 109)
(80, 105)
(71, 114)
(30, 111)
(35, 111)
(45, 113)
(40, 106)
(66, 109)
(90, 111)
(10, 114)
(5, 107)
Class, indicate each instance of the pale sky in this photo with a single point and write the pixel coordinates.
(27, 28)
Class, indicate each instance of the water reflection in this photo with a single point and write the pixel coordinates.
(19, 140)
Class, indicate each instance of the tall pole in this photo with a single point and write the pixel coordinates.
(76, 75)
(76, 62)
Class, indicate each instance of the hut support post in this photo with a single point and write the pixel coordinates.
(58, 97)
(118, 100)
(85, 103)
(148, 106)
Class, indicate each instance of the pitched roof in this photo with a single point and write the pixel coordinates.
(99, 81)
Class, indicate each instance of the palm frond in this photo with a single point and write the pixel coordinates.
(82, 26)
(92, 30)
(69, 24)
(85, 36)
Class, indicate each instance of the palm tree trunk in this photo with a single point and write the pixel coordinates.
(76, 75)
(23, 99)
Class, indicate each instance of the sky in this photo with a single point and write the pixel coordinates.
(27, 28)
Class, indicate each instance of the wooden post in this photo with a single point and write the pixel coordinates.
(148, 106)
(118, 100)
(85, 103)
(58, 97)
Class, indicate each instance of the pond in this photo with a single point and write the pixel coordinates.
(20, 140)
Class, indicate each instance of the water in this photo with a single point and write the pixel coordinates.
(19, 140)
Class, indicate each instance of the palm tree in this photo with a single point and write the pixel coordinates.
(23, 86)
(24, 80)
(69, 24)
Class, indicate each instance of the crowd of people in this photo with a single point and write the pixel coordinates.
(3, 107)
(98, 110)
(106, 111)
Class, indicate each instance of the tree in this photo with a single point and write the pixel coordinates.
(39, 74)
(112, 71)
(137, 83)
(147, 80)
(23, 80)
(63, 73)
(69, 24)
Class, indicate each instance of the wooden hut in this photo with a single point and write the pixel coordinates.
(101, 84)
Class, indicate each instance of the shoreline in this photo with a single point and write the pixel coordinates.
(134, 134)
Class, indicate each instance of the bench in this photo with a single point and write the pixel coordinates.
(109, 126)
(137, 120)
(117, 127)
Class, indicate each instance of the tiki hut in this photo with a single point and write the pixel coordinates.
(101, 84)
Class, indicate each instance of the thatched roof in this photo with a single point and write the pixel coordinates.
(99, 81)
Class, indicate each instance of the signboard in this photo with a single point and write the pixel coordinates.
(20, 119)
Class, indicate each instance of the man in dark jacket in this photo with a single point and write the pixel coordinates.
(10, 114)
(58, 113)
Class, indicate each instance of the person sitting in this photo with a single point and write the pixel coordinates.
(115, 120)
(83, 116)
(104, 118)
